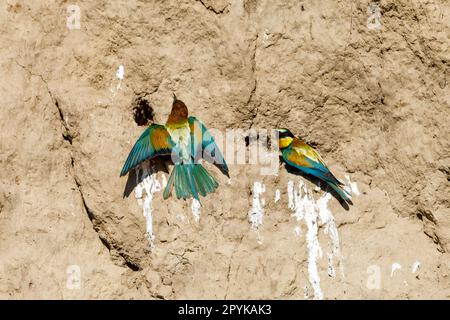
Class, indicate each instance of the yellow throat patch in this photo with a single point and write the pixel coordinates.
(285, 142)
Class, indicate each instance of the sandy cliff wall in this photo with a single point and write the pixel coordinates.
(374, 101)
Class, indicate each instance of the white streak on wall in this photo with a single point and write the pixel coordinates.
(415, 267)
(314, 250)
(327, 219)
(196, 209)
(150, 185)
(120, 72)
(331, 271)
(257, 211)
(298, 231)
(277, 195)
(353, 186)
(305, 208)
(291, 203)
(164, 181)
(395, 266)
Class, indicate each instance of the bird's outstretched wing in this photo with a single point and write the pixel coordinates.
(304, 157)
(154, 141)
(204, 146)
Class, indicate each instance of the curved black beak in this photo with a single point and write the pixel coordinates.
(174, 97)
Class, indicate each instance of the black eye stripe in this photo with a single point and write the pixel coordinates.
(283, 135)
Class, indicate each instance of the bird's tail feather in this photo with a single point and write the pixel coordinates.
(204, 181)
(341, 192)
(169, 185)
(190, 180)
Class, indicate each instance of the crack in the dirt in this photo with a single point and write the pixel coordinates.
(130, 264)
(229, 266)
(212, 9)
(181, 259)
(67, 136)
(89, 212)
(255, 83)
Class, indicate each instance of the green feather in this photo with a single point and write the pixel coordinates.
(190, 180)
(169, 186)
(341, 192)
(205, 179)
(178, 183)
(188, 169)
(143, 148)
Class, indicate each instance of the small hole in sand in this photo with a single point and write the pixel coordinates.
(142, 111)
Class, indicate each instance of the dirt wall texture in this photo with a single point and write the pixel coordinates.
(370, 93)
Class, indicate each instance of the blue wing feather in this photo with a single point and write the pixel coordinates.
(143, 149)
(312, 167)
(204, 146)
(317, 170)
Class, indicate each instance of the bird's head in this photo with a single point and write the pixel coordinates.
(285, 138)
(179, 111)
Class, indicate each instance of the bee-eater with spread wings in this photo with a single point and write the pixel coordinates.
(186, 140)
(298, 154)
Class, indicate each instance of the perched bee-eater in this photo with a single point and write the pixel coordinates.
(298, 154)
(186, 140)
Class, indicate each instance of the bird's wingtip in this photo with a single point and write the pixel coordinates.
(123, 172)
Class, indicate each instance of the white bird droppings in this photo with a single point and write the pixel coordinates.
(327, 219)
(256, 213)
(353, 186)
(196, 209)
(277, 195)
(415, 267)
(395, 266)
(163, 181)
(120, 73)
(150, 185)
(306, 208)
(291, 203)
